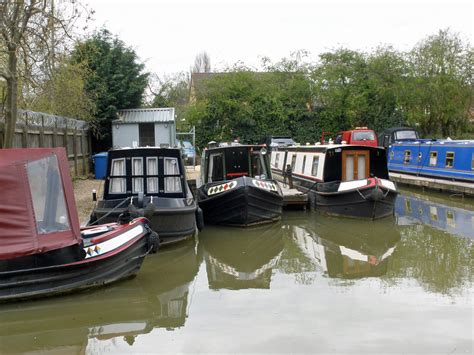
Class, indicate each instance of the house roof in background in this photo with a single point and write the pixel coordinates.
(145, 115)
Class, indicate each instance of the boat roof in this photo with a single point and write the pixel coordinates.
(237, 145)
(142, 148)
(325, 147)
(436, 142)
(29, 179)
(394, 129)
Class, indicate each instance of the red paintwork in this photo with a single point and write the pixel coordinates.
(18, 233)
(347, 136)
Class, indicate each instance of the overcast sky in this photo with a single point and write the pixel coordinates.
(167, 35)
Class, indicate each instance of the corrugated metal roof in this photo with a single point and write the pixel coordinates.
(141, 115)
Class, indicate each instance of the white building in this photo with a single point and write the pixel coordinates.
(144, 127)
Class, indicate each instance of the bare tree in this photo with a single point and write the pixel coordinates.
(202, 63)
(27, 46)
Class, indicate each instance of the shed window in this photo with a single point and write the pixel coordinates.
(137, 170)
(47, 194)
(152, 169)
(433, 158)
(117, 184)
(407, 157)
(304, 163)
(314, 168)
(172, 183)
(449, 159)
(146, 134)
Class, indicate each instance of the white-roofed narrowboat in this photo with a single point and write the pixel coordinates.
(340, 179)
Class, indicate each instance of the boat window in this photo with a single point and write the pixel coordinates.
(277, 158)
(216, 168)
(117, 184)
(363, 136)
(152, 169)
(304, 163)
(237, 162)
(314, 168)
(420, 155)
(433, 158)
(407, 158)
(171, 167)
(361, 169)
(47, 194)
(137, 170)
(449, 159)
(293, 162)
(472, 162)
(392, 154)
(409, 134)
(338, 139)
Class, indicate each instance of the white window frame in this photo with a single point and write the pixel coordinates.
(111, 182)
(134, 179)
(150, 179)
(172, 177)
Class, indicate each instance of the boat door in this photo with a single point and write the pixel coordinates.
(355, 165)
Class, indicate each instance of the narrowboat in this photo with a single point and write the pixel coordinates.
(149, 182)
(236, 186)
(340, 179)
(160, 297)
(43, 251)
(451, 160)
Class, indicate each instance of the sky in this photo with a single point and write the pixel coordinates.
(167, 35)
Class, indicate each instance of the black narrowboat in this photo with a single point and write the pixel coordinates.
(340, 179)
(149, 182)
(237, 188)
(43, 251)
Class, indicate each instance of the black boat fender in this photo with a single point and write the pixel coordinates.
(199, 218)
(153, 241)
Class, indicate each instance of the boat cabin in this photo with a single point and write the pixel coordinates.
(38, 213)
(151, 171)
(232, 161)
(359, 135)
(336, 162)
(391, 135)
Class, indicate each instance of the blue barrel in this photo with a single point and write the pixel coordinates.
(100, 165)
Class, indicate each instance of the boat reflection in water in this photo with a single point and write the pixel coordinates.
(347, 249)
(157, 298)
(238, 260)
(454, 218)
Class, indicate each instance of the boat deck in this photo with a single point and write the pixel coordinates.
(293, 197)
(433, 183)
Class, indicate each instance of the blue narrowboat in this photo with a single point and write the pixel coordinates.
(446, 159)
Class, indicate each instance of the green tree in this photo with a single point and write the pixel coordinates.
(63, 94)
(115, 80)
(439, 92)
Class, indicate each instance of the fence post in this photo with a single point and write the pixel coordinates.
(24, 141)
(41, 135)
(55, 133)
(74, 149)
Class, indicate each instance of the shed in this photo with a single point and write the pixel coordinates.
(144, 127)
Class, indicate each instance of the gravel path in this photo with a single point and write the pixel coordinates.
(83, 193)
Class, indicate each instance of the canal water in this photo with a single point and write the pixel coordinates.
(310, 283)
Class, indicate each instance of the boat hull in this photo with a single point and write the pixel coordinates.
(243, 205)
(172, 223)
(92, 271)
(364, 203)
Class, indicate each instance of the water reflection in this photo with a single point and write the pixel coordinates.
(441, 214)
(157, 298)
(237, 259)
(344, 248)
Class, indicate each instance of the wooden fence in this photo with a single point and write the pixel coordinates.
(35, 129)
